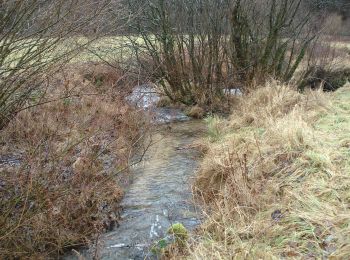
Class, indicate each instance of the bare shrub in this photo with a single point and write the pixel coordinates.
(197, 49)
(73, 151)
(36, 37)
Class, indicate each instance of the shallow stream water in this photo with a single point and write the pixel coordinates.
(160, 192)
(159, 195)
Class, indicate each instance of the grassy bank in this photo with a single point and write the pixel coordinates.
(276, 178)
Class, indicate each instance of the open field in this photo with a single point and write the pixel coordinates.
(117, 48)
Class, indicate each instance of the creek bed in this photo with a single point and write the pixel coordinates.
(159, 195)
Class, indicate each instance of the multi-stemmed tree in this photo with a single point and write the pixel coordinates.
(197, 48)
(36, 36)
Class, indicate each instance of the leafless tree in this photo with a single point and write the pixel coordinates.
(197, 48)
(37, 36)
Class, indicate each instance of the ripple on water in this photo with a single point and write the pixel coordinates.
(159, 195)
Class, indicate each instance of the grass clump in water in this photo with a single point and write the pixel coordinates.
(174, 244)
(179, 232)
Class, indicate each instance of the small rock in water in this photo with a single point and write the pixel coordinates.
(233, 91)
(118, 246)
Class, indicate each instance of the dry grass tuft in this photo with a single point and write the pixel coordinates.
(196, 112)
(164, 101)
(265, 105)
(277, 182)
(65, 191)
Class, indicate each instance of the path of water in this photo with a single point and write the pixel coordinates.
(160, 193)
(159, 196)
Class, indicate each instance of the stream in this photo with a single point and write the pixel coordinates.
(160, 192)
(159, 196)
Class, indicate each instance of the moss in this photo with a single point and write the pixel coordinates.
(159, 246)
(179, 232)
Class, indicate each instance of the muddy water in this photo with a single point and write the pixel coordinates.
(159, 195)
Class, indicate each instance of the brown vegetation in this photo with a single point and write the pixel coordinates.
(65, 191)
(275, 174)
(276, 180)
(164, 101)
(195, 50)
(196, 112)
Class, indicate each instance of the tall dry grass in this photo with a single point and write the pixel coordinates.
(276, 182)
(66, 190)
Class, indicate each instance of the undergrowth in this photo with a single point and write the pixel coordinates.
(277, 180)
(66, 190)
